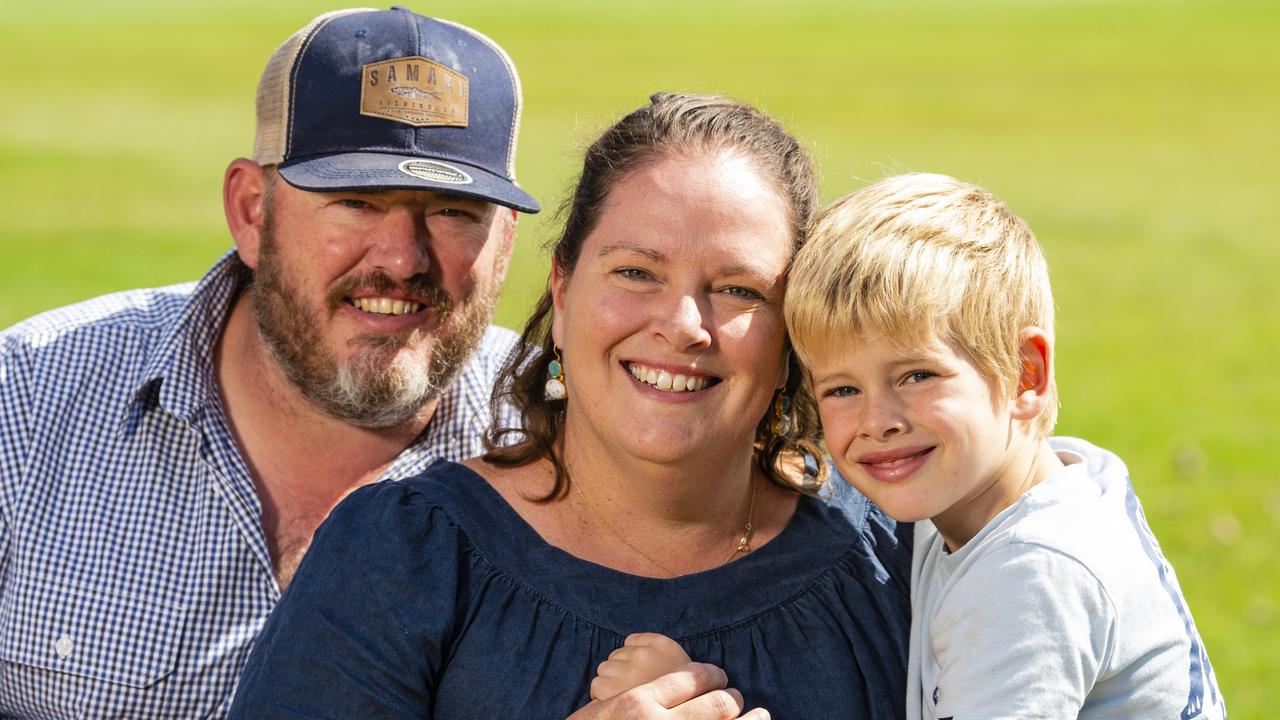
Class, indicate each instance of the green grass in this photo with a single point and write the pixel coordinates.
(1138, 138)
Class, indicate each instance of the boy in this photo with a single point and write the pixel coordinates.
(921, 308)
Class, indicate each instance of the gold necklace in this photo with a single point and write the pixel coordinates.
(742, 547)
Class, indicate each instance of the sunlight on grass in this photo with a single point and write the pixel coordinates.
(1137, 138)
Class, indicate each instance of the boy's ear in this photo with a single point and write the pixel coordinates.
(1036, 348)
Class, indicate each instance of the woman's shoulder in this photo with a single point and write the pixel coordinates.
(448, 487)
(841, 504)
(849, 526)
(396, 519)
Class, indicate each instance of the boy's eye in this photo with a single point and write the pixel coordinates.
(918, 376)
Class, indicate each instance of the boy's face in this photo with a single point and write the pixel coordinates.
(919, 431)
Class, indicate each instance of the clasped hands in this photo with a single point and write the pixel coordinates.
(651, 678)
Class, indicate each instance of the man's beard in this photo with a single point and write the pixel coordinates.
(383, 384)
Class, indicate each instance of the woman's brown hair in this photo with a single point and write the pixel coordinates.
(670, 123)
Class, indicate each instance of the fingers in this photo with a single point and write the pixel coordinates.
(715, 705)
(696, 691)
(604, 687)
(686, 683)
(642, 639)
(655, 642)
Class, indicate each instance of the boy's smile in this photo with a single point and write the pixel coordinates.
(895, 465)
(921, 432)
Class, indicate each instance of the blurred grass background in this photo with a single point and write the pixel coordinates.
(1139, 139)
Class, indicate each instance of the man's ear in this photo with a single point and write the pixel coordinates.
(509, 240)
(506, 242)
(1036, 350)
(243, 200)
(559, 279)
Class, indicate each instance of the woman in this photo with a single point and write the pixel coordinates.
(659, 483)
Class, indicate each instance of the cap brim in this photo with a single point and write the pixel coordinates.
(382, 171)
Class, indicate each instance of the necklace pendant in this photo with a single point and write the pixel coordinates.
(743, 545)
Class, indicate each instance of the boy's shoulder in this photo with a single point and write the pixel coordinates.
(1088, 512)
(1073, 567)
(1083, 528)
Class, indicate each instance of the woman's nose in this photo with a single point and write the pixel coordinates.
(684, 324)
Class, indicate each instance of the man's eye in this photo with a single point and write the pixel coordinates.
(355, 204)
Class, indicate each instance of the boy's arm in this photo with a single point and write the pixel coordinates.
(1025, 633)
(643, 657)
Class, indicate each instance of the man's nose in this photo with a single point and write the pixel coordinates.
(400, 245)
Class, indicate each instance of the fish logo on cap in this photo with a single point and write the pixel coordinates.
(414, 91)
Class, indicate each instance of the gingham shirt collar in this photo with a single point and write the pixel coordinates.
(186, 351)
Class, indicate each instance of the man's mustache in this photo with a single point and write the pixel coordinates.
(419, 287)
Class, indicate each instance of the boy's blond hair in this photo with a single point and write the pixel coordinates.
(921, 254)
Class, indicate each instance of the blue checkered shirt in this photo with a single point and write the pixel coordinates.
(134, 573)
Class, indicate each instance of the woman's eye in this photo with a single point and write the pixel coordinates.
(842, 391)
(742, 292)
(632, 273)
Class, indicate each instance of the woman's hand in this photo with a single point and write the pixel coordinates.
(696, 691)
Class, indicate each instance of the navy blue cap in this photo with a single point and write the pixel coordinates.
(389, 99)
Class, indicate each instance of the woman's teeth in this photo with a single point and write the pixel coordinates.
(386, 306)
(664, 380)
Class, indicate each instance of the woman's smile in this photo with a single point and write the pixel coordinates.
(670, 380)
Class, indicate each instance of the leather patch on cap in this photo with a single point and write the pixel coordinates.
(414, 91)
(434, 171)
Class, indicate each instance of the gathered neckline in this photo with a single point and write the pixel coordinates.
(818, 537)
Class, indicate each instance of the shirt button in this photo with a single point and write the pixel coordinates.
(64, 646)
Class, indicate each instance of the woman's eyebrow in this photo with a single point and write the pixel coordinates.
(651, 253)
(740, 269)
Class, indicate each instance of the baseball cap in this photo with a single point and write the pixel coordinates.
(367, 99)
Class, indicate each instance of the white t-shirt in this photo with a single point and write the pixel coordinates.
(1062, 606)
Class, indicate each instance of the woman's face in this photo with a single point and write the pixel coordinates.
(671, 324)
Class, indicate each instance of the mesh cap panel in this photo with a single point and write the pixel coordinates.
(274, 89)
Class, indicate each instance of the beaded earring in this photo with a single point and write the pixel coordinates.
(555, 388)
(782, 422)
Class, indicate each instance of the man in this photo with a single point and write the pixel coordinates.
(165, 455)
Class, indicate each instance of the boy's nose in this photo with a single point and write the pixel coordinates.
(882, 419)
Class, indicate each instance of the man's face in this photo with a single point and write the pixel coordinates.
(371, 303)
